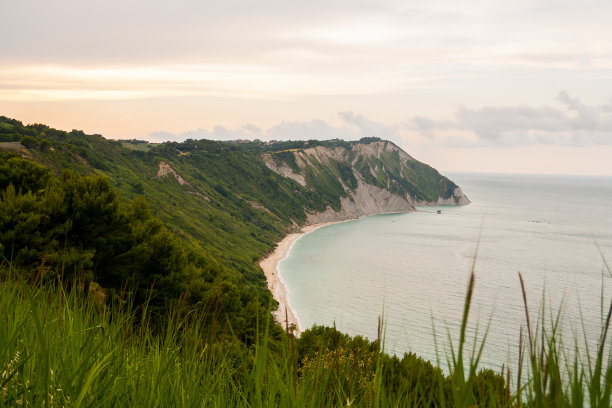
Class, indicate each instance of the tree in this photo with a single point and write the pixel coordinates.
(29, 142)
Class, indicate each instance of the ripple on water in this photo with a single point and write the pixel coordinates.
(415, 266)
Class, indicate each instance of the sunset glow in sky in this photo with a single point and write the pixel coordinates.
(486, 86)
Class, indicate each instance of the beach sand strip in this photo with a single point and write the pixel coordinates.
(285, 314)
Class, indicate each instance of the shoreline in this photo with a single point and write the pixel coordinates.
(285, 314)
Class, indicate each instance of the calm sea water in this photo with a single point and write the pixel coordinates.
(413, 268)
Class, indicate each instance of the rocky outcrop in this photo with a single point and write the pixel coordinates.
(282, 169)
(365, 200)
(165, 169)
(458, 198)
(376, 177)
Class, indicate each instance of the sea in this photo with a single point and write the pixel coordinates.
(410, 271)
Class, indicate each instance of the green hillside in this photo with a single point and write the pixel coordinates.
(220, 204)
(129, 277)
(230, 203)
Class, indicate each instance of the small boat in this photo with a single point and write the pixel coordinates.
(439, 211)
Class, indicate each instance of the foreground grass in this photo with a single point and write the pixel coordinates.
(58, 348)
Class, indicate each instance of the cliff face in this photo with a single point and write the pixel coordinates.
(366, 199)
(370, 178)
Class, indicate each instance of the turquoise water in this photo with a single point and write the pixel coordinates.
(414, 267)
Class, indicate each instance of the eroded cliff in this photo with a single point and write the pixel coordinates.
(370, 178)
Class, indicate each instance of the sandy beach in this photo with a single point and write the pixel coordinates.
(285, 313)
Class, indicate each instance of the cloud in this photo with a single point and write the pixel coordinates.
(367, 127)
(313, 129)
(350, 126)
(570, 123)
(217, 133)
(574, 124)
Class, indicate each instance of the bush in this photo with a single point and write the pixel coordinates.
(29, 142)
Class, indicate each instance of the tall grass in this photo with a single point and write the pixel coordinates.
(59, 348)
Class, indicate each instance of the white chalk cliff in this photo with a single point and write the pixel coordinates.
(384, 179)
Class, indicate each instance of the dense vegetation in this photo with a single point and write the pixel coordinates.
(57, 349)
(60, 348)
(120, 287)
(231, 207)
(98, 211)
(74, 228)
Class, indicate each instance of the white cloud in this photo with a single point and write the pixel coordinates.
(367, 127)
(571, 124)
(217, 133)
(350, 126)
(575, 123)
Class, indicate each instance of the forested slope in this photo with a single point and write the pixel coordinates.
(205, 211)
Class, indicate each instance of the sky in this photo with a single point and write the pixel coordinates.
(473, 85)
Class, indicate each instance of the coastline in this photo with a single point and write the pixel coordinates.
(285, 314)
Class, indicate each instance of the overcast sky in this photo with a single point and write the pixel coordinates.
(491, 86)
